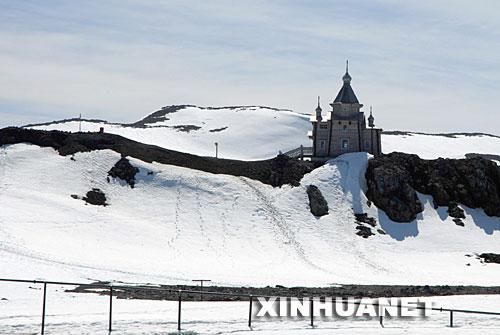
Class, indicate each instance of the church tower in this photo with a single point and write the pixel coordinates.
(344, 128)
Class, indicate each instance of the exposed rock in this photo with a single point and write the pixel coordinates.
(317, 202)
(95, 197)
(455, 211)
(490, 258)
(125, 171)
(158, 116)
(458, 222)
(70, 148)
(285, 170)
(364, 231)
(74, 196)
(394, 179)
(241, 293)
(364, 218)
(186, 127)
(380, 231)
(216, 130)
(388, 189)
(491, 157)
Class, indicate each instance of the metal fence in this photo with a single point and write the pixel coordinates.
(180, 293)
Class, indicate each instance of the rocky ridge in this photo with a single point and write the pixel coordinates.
(276, 172)
(393, 181)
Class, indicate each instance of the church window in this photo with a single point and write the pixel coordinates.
(322, 145)
(345, 128)
(345, 144)
(340, 122)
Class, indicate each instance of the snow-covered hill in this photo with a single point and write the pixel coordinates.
(431, 146)
(178, 224)
(252, 132)
(242, 132)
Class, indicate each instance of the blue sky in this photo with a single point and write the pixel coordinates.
(423, 65)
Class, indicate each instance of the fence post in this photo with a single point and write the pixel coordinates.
(311, 310)
(250, 312)
(451, 319)
(43, 307)
(110, 308)
(179, 311)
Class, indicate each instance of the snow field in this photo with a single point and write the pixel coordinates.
(73, 313)
(179, 224)
(251, 133)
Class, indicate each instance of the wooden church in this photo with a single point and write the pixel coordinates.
(343, 129)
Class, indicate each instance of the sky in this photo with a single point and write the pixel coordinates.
(430, 66)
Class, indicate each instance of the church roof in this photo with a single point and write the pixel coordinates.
(346, 95)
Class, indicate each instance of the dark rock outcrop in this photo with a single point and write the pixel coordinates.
(285, 170)
(125, 171)
(393, 180)
(158, 116)
(241, 293)
(186, 127)
(364, 231)
(492, 157)
(317, 202)
(490, 258)
(389, 189)
(276, 172)
(455, 211)
(217, 130)
(95, 197)
(364, 218)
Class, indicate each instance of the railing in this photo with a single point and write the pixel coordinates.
(180, 293)
(299, 152)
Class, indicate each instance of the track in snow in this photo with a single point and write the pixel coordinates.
(283, 234)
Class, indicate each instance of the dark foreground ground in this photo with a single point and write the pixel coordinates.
(171, 292)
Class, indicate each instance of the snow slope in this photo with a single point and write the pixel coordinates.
(250, 132)
(178, 224)
(246, 132)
